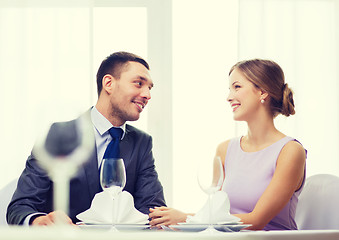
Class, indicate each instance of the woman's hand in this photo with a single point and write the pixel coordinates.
(166, 216)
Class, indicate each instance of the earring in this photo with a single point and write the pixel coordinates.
(262, 101)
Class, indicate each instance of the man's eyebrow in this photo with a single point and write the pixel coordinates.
(145, 80)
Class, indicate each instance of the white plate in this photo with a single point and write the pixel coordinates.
(131, 227)
(119, 227)
(231, 228)
(218, 223)
(202, 227)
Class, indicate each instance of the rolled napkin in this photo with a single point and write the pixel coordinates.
(106, 210)
(220, 211)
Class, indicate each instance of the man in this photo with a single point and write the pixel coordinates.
(124, 85)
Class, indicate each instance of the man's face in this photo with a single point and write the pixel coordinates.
(131, 93)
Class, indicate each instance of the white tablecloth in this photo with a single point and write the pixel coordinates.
(74, 233)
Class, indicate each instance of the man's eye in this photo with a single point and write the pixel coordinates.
(139, 83)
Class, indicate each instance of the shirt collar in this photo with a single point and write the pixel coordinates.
(102, 124)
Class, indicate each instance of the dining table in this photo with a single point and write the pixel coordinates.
(104, 233)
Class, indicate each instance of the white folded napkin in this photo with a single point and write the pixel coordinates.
(220, 209)
(103, 206)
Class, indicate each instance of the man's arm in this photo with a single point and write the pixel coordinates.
(51, 219)
(33, 190)
(149, 191)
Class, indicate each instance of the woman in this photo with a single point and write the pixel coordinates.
(264, 170)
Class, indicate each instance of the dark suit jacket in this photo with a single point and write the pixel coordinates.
(34, 192)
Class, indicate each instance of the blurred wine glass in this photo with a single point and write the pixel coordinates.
(60, 150)
(210, 179)
(113, 180)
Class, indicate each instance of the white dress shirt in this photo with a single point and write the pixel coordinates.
(102, 137)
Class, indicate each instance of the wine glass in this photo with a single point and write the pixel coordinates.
(113, 180)
(210, 179)
(60, 150)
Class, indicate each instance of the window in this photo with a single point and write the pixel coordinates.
(50, 52)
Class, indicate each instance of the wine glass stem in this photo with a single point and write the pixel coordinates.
(61, 197)
(210, 209)
(113, 212)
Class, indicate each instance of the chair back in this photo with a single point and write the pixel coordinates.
(318, 206)
(6, 194)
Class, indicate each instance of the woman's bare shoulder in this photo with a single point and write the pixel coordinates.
(294, 147)
(222, 149)
(293, 152)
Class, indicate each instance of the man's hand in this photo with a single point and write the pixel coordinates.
(51, 219)
(166, 216)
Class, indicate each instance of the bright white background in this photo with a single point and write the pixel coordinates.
(50, 52)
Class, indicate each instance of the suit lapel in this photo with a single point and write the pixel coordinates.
(91, 169)
(127, 146)
(92, 174)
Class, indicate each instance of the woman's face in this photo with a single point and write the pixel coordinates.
(244, 97)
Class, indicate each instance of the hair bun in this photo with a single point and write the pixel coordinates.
(287, 107)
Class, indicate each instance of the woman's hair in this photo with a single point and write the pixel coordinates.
(268, 76)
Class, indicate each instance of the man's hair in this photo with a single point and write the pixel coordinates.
(114, 64)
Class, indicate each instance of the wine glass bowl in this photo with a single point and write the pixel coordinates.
(65, 145)
(210, 179)
(113, 180)
(113, 175)
(211, 176)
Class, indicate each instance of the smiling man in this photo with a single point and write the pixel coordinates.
(124, 85)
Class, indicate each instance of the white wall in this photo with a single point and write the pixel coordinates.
(302, 36)
(204, 47)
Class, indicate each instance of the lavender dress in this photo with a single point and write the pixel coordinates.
(247, 175)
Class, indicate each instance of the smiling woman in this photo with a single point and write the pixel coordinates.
(267, 197)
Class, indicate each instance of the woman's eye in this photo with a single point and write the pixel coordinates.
(236, 86)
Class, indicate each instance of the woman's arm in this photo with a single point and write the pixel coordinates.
(287, 179)
(170, 216)
(221, 152)
(166, 216)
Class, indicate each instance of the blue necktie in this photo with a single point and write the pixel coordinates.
(112, 150)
